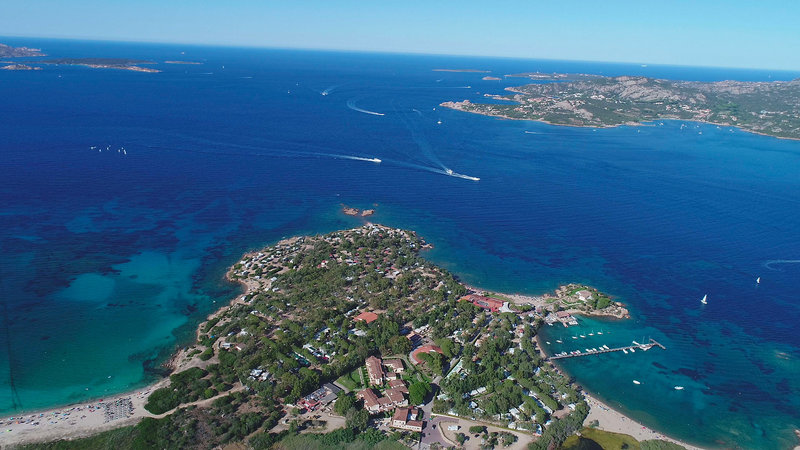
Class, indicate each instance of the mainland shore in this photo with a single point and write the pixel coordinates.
(78, 420)
(609, 419)
(127, 409)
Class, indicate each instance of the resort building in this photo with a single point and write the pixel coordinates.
(487, 303)
(400, 385)
(374, 404)
(395, 365)
(374, 371)
(406, 419)
(397, 397)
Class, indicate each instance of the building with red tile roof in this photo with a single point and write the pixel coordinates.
(374, 370)
(397, 397)
(373, 403)
(487, 303)
(395, 364)
(405, 419)
(400, 385)
(367, 317)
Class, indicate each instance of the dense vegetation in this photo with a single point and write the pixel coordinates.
(513, 375)
(771, 108)
(295, 330)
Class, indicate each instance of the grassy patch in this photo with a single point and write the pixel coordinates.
(305, 442)
(350, 380)
(499, 297)
(592, 438)
(120, 438)
(575, 302)
(656, 444)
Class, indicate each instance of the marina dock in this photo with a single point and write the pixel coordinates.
(605, 349)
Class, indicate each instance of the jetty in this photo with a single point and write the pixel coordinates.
(606, 349)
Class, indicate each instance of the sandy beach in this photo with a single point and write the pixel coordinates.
(125, 409)
(74, 421)
(613, 420)
(609, 419)
(88, 418)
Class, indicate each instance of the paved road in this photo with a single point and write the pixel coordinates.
(432, 432)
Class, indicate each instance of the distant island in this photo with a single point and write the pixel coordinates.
(462, 70)
(19, 67)
(183, 62)
(771, 108)
(104, 63)
(7, 51)
(490, 78)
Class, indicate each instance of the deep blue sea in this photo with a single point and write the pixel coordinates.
(110, 258)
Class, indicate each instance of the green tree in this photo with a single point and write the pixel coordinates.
(418, 391)
(344, 403)
(357, 419)
(400, 345)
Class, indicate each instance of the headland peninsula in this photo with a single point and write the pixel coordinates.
(771, 108)
(104, 63)
(19, 67)
(7, 51)
(135, 65)
(353, 340)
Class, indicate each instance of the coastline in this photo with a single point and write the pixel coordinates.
(76, 420)
(84, 419)
(610, 419)
(540, 301)
(91, 417)
(631, 124)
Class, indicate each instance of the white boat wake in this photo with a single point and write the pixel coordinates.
(773, 262)
(448, 172)
(352, 105)
(359, 158)
(460, 175)
(260, 152)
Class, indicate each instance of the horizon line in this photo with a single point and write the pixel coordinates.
(389, 52)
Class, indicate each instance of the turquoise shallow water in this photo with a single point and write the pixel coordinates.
(109, 260)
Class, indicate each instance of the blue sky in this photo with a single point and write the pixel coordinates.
(756, 34)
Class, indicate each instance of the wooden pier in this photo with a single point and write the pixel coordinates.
(630, 348)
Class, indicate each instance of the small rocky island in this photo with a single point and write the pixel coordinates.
(356, 212)
(771, 108)
(104, 63)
